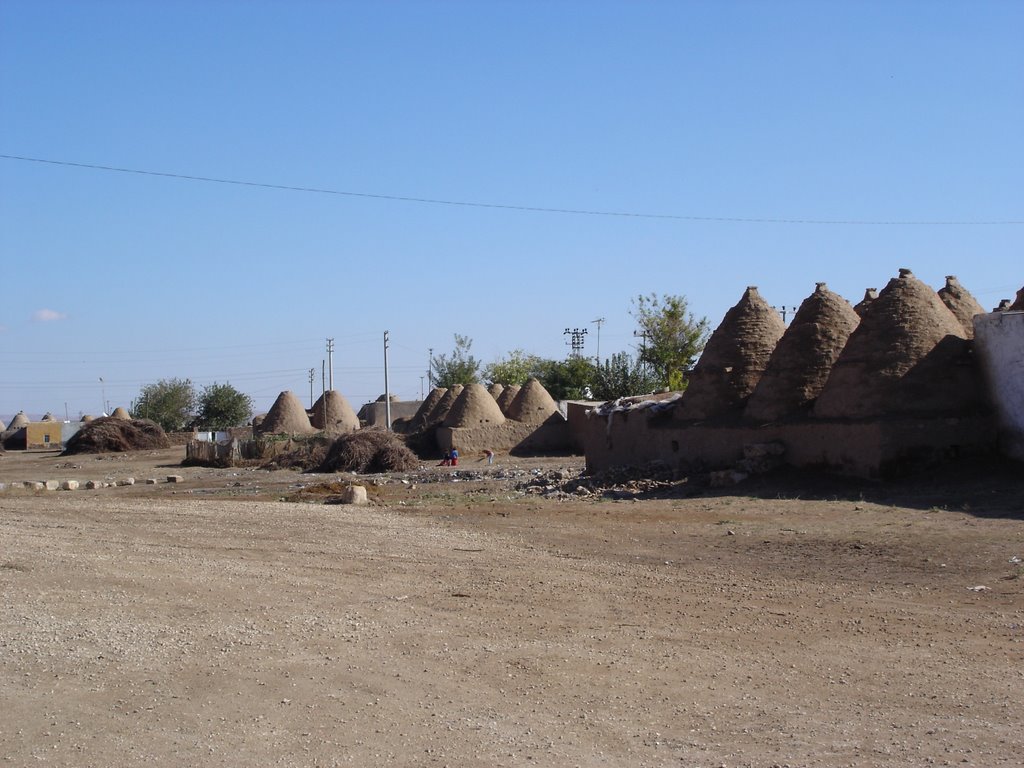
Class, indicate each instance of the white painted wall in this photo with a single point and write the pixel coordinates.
(999, 343)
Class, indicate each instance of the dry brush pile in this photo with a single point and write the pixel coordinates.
(365, 451)
(115, 435)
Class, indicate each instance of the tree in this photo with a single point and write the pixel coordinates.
(222, 406)
(168, 402)
(622, 376)
(673, 337)
(567, 379)
(516, 369)
(460, 367)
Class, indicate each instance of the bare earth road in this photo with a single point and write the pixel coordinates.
(468, 624)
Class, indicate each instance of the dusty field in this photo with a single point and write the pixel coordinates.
(467, 624)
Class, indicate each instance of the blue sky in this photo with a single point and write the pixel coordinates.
(905, 112)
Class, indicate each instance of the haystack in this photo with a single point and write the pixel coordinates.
(496, 389)
(734, 359)
(440, 411)
(20, 421)
(532, 404)
(473, 408)
(112, 435)
(121, 413)
(870, 294)
(960, 302)
(909, 354)
(287, 417)
(337, 417)
(48, 417)
(369, 450)
(804, 356)
(508, 394)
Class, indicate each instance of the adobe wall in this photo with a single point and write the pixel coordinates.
(513, 436)
(872, 449)
(576, 416)
(999, 343)
(44, 436)
(374, 414)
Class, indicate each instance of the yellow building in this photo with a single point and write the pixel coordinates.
(46, 435)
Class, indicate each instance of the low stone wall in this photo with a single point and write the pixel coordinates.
(234, 453)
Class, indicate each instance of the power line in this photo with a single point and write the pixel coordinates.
(509, 207)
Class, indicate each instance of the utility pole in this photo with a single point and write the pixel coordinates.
(599, 322)
(430, 367)
(643, 347)
(330, 362)
(784, 310)
(103, 391)
(421, 387)
(311, 387)
(323, 387)
(576, 339)
(387, 392)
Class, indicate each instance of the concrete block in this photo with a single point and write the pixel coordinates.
(150, 481)
(52, 485)
(126, 481)
(34, 486)
(92, 485)
(175, 479)
(69, 485)
(3, 487)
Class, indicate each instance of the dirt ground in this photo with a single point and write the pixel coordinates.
(466, 618)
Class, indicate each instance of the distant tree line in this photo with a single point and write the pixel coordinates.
(672, 340)
(175, 405)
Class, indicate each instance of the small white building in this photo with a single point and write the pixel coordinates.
(999, 344)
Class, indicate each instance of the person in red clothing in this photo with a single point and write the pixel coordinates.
(454, 454)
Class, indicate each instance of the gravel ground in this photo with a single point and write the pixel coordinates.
(482, 623)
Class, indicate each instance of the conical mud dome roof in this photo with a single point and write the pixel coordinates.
(496, 389)
(804, 356)
(870, 294)
(19, 421)
(1018, 304)
(473, 408)
(508, 394)
(286, 417)
(445, 404)
(2, 425)
(909, 354)
(48, 417)
(337, 418)
(121, 413)
(960, 302)
(734, 358)
(532, 404)
(422, 415)
(87, 418)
